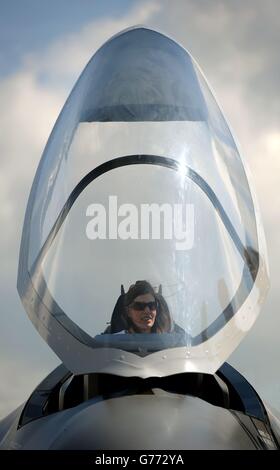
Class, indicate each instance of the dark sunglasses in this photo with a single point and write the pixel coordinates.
(142, 305)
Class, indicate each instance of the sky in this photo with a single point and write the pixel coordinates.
(44, 47)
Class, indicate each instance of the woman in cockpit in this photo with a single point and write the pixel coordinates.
(141, 310)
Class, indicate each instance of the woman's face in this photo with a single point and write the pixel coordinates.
(142, 312)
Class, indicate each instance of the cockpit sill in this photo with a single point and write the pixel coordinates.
(227, 389)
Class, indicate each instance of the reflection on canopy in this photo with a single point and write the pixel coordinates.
(142, 126)
(249, 257)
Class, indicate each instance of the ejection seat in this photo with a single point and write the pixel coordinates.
(117, 322)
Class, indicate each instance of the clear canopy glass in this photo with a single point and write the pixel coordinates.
(141, 180)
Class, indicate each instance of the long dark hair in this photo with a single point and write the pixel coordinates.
(163, 323)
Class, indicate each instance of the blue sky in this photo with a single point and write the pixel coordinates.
(43, 48)
(30, 25)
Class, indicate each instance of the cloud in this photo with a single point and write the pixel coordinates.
(28, 111)
(235, 44)
(68, 56)
(30, 106)
(31, 100)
